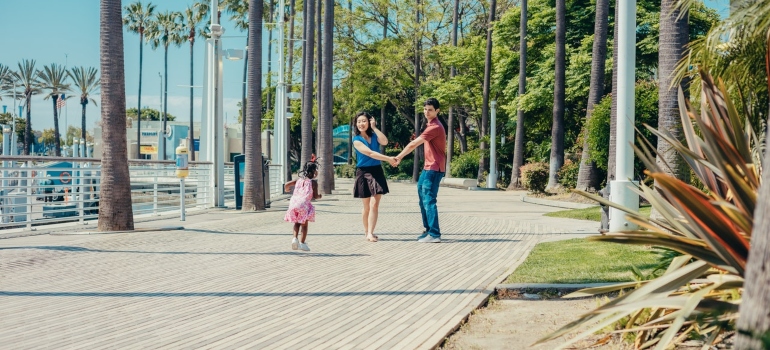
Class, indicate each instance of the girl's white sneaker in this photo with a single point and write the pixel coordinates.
(294, 243)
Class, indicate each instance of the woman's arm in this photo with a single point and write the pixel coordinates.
(381, 138)
(361, 147)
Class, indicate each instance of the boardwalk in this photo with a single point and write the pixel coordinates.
(230, 280)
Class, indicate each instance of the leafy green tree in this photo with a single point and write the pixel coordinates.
(148, 114)
(5, 118)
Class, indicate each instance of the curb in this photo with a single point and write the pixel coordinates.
(539, 291)
(551, 203)
(138, 230)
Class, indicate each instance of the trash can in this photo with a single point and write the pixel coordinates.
(239, 165)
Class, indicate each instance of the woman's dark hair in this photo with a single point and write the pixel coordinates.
(308, 171)
(369, 131)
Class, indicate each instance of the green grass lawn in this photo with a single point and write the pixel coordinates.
(583, 261)
(592, 214)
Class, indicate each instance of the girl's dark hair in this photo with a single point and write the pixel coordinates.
(369, 131)
(308, 171)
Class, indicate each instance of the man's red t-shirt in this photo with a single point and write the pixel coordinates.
(435, 146)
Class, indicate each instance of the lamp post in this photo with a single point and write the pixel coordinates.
(492, 177)
(212, 135)
(280, 148)
(621, 188)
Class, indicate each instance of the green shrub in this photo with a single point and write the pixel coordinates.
(347, 171)
(598, 127)
(466, 165)
(568, 174)
(534, 176)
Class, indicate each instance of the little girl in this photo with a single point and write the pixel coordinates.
(300, 210)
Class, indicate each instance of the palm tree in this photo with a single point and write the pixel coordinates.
(483, 160)
(87, 82)
(557, 130)
(417, 45)
(307, 77)
(614, 104)
(6, 76)
(587, 174)
(167, 29)
(452, 73)
(326, 179)
(29, 85)
(115, 212)
(54, 79)
(253, 192)
(136, 20)
(674, 36)
(194, 16)
(518, 144)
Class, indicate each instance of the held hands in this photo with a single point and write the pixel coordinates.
(394, 161)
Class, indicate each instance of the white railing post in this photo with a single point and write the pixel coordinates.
(158, 167)
(29, 196)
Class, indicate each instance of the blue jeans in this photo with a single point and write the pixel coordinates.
(427, 190)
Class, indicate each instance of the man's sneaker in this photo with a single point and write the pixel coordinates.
(295, 243)
(303, 246)
(423, 235)
(430, 239)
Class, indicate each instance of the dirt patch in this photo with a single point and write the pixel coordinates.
(563, 197)
(517, 324)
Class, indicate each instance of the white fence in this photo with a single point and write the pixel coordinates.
(42, 190)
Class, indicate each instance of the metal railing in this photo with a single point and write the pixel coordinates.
(43, 190)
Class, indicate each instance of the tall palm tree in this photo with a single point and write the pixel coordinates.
(587, 174)
(417, 48)
(484, 159)
(307, 77)
(54, 79)
(6, 77)
(115, 212)
(29, 84)
(557, 129)
(318, 66)
(518, 143)
(167, 29)
(326, 179)
(87, 82)
(452, 73)
(136, 19)
(674, 36)
(614, 104)
(253, 192)
(194, 16)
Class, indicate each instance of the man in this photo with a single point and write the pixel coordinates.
(434, 139)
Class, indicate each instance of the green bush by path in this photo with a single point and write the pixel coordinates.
(534, 176)
(568, 174)
(582, 261)
(466, 165)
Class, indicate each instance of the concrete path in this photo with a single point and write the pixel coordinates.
(230, 279)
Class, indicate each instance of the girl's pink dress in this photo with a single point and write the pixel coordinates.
(300, 209)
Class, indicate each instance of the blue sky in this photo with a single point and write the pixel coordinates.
(55, 31)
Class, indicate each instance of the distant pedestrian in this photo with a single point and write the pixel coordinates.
(434, 139)
(301, 211)
(370, 183)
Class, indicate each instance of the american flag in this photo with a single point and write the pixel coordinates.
(60, 103)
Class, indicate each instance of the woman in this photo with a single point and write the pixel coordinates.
(370, 182)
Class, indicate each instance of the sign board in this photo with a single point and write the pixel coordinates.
(196, 145)
(148, 149)
(149, 134)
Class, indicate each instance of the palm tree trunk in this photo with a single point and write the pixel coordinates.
(754, 320)
(674, 36)
(243, 95)
(83, 103)
(307, 77)
(165, 100)
(191, 133)
(518, 143)
(319, 69)
(484, 130)
(416, 167)
(557, 131)
(56, 137)
(587, 174)
(614, 105)
(453, 72)
(139, 98)
(253, 191)
(385, 101)
(291, 44)
(326, 179)
(28, 141)
(271, 11)
(115, 212)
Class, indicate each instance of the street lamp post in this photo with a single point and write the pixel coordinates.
(492, 177)
(212, 135)
(621, 189)
(280, 123)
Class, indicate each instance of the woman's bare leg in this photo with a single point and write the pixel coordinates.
(374, 207)
(304, 232)
(365, 215)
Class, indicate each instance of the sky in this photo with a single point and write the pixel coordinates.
(53, 31)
